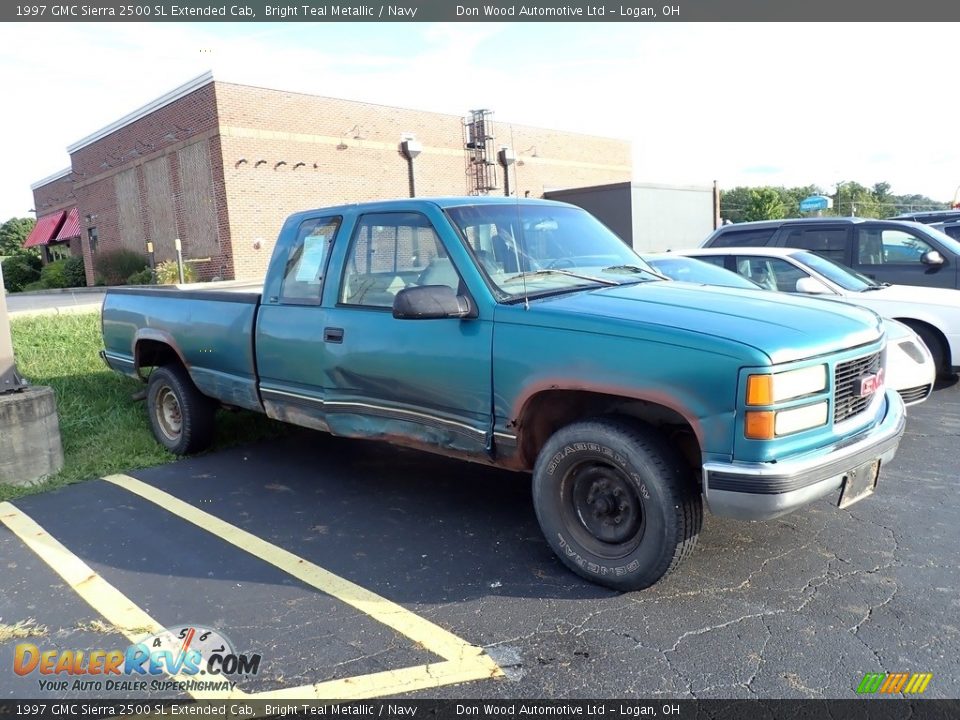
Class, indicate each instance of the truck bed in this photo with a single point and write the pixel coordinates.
(212, 333)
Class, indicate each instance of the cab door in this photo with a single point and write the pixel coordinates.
(900, 255)
(418, 382)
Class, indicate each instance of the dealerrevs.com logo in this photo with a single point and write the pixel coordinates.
(197, 658)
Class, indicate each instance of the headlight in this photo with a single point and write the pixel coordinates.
(770, 389)
(768, 424)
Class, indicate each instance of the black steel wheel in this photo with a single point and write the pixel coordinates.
(616, 502)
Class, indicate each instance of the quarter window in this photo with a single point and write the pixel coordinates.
(303, 275)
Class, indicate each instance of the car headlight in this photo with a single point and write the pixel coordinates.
(768, 389)
(768, 424)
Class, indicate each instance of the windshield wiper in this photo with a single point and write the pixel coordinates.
(878, 286)
(634, 269)
(602, 281)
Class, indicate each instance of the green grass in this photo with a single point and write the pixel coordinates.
(103, 430)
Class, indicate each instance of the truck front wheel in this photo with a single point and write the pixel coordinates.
(615, 502)
(182, 418)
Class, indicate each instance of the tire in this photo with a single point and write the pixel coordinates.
(616, 502)
(181, 417)
(934, 344)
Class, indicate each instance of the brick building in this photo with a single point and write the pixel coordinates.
(220, 165)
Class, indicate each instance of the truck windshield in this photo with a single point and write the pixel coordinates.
(531, 249)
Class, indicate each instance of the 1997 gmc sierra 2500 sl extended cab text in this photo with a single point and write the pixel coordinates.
(525, 335)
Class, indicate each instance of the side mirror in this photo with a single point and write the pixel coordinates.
(431, 302)
(932, 257)
(812, 286)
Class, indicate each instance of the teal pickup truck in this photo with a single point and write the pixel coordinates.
(523, 334)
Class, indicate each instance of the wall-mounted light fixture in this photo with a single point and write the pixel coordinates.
(410, 148)
(240, 162)
(259, 163)
(298, 165)
(282, 162)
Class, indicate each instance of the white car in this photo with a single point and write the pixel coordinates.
(933, 313)
(910, 367)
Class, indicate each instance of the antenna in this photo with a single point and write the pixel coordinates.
(518, 242)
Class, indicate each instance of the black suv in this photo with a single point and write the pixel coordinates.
(930, 217)
(903, 253)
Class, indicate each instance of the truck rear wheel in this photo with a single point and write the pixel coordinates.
(616, 502)
(182, 418)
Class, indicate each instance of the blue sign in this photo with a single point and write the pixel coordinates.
(816, 202)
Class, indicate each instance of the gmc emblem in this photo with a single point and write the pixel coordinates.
(869, 384)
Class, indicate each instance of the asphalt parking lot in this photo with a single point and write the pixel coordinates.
(358, 570)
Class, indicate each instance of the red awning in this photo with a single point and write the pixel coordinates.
(45, 229)
(71, 227)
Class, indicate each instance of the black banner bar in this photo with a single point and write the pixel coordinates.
(888, 708)
(493, 11)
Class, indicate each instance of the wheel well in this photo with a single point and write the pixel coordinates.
(154, 353)
(941, 338)
(548, 411)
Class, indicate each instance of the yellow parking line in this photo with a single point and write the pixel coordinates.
(462, 661)
(430, 636)
(103, 597)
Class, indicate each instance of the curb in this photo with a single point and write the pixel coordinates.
(69, 310)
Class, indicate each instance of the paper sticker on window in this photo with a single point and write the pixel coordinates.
(311, 261)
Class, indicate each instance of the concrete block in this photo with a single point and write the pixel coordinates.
(30, 447)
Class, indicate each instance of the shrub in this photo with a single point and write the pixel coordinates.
(53, 274)
(35, 285)
(75, 272)
(167, 273)
(20, 270)
(113, 267)
(144, 277)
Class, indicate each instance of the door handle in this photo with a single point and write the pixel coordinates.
(333, 335)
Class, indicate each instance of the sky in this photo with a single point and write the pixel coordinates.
(739, 103)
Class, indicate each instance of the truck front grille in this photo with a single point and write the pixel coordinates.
(846, 381)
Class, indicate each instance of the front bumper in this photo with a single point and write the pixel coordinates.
(760, 491)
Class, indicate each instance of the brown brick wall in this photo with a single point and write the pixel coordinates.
(284, 152)
(273, 153)
(152, 143)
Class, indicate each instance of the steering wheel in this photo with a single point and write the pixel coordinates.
(561, 262)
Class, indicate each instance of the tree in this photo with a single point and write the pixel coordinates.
(733, 204)
(13, 233)
(765, 204)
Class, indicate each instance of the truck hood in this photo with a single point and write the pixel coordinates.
(783, 327)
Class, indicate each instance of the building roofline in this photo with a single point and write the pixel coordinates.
(165, 99)
(50, 178)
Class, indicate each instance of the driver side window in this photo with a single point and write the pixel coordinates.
(390, 252)
(886, 246)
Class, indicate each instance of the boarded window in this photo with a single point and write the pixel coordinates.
(161, 220)
(128, 210)
(199, 202)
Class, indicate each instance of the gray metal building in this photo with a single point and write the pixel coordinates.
(648, 216)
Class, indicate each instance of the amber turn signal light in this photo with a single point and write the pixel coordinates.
(759, 424)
